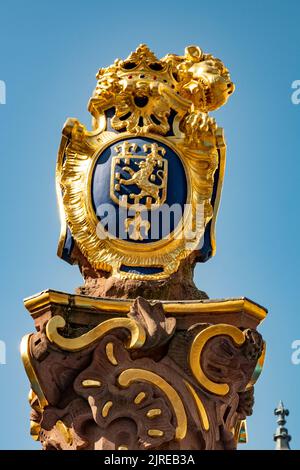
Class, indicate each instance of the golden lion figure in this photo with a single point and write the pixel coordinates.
(142, 177)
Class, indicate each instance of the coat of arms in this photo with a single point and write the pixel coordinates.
(138, 183)
(139, 180)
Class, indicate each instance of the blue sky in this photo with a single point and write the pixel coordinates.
(49, 54)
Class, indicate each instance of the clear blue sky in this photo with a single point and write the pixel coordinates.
(50, 52)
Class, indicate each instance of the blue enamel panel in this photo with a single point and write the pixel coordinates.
(108, 210)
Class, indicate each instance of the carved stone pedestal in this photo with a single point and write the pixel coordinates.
(122, 374)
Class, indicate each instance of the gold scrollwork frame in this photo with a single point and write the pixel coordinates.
(74, 178)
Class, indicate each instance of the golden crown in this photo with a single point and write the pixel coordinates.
(143, 90)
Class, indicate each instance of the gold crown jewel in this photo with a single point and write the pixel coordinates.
(143, 90)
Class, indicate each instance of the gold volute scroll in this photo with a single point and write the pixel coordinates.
(197, 347)
(136, 331)
(200, 406)
(27, 362)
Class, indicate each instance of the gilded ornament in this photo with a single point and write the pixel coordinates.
(155, 145)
